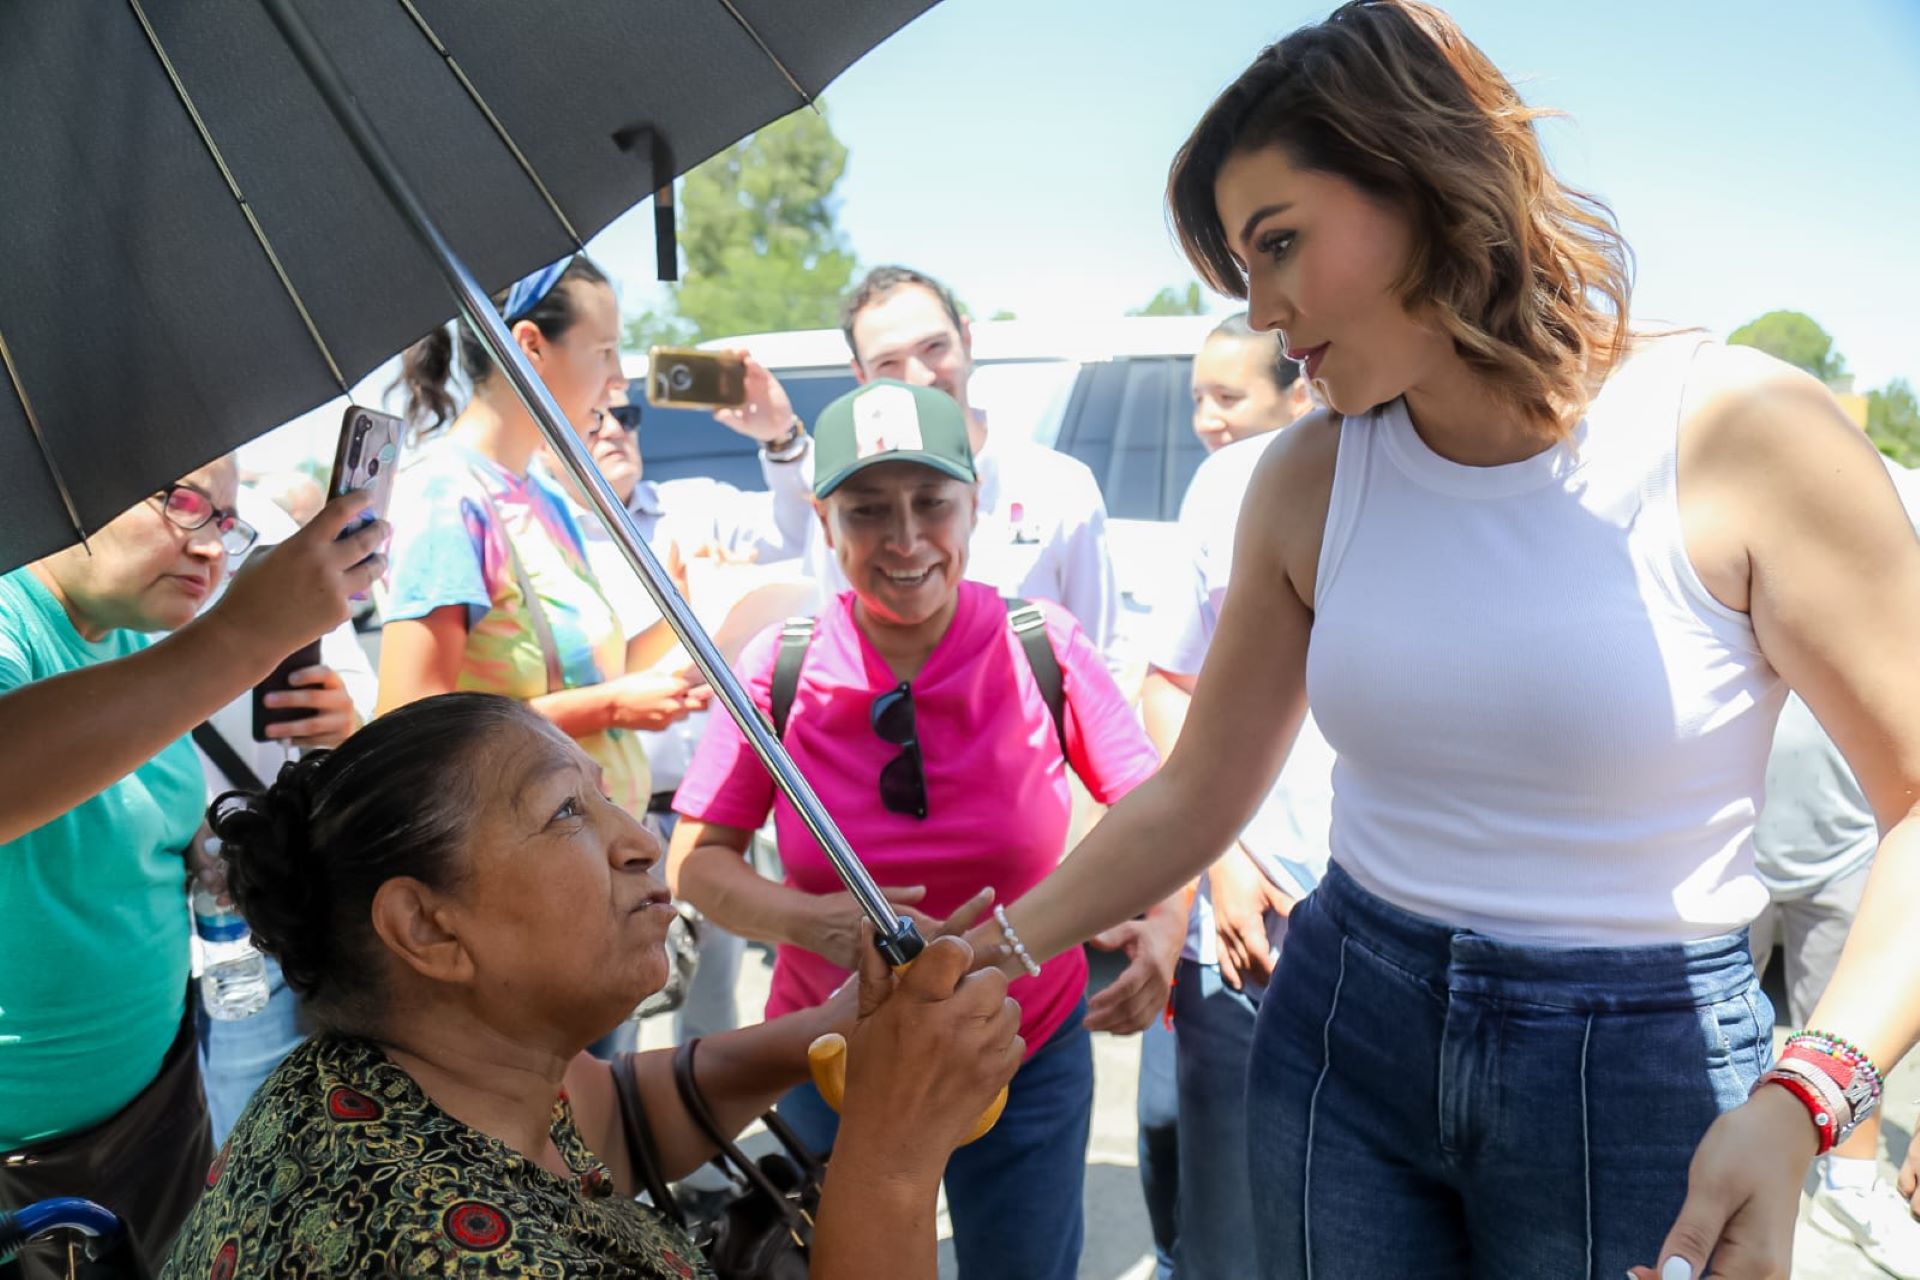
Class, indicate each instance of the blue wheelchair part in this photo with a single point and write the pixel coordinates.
(107, 1237)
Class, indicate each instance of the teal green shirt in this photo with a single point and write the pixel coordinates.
(93, 914)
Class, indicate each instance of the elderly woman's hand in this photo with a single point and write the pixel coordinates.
(837, 931)
(333, 718)
(932, 1047)
(843, 1008)
(834, 922)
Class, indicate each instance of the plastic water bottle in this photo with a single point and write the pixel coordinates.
(233, 979)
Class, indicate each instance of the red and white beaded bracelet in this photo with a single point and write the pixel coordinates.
(1833, 1078)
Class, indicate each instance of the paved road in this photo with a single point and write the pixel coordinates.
(1119, 1246)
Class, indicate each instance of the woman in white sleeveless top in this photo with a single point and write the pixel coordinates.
(1547, 584)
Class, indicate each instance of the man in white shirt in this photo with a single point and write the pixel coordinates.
(1042, 529)
(684, 518)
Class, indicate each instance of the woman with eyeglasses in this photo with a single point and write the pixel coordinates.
(100, 1093)
(491, 590)
(922, 718)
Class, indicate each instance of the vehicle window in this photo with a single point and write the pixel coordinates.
(1130, 422)
(812, 390)
(1188, 452)
(1128, 419)
(1027, 397)
(677, 443)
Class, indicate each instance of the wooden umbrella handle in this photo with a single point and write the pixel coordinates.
(827, 1060)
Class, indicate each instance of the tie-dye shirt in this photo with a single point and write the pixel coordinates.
(458, 519)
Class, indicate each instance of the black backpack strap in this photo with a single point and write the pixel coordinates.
(796, 636)
(1030, 625)
(225, 758)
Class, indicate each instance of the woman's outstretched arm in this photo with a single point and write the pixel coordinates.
(1247, 708)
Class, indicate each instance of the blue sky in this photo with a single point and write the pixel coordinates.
(1758, 154)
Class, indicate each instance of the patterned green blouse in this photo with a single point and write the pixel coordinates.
(342, 1167)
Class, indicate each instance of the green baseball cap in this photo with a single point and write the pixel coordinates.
(888, 421)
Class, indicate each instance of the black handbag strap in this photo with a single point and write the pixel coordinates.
(225, 758)
(696, 1104)
(641, 1147)
(814, 1167)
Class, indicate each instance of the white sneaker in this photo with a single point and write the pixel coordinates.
(1875, 1221)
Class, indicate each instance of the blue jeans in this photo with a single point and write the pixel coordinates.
(1157, 1109)
(1213, 1024)
(237, 1057)
(1017, 1195)
(1426, 1102)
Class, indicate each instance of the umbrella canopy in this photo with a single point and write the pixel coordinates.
(163, 300)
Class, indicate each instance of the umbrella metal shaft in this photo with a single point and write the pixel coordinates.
(896, 936)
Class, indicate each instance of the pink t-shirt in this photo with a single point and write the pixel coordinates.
(997, 796)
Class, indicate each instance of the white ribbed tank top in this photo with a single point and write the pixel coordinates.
(1547, 729)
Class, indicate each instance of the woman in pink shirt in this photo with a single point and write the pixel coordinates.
(918, 715)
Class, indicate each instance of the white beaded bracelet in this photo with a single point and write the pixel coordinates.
(1011, 944)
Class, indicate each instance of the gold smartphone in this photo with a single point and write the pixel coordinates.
(682, 377)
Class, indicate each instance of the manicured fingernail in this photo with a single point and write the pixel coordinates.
(1676, 1268)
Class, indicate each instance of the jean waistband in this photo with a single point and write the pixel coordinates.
(1588, 979)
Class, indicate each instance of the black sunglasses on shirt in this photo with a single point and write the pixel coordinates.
(903, 782)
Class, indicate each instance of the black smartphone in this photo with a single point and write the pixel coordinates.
(685, 378)
(264, 715)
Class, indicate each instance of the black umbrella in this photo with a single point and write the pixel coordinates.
(215, 214)
(145, 318)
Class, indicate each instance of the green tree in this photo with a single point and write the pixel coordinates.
(1796, 338)
(653, 328)
(759, 237)
(1893, 422)
(1172, 301)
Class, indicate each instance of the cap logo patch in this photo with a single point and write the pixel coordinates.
(886, 419)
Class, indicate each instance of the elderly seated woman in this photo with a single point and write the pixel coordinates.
(465, 911)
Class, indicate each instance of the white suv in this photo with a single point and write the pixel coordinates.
(1115, 394)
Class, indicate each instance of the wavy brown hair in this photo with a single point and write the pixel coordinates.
(1528, 276)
